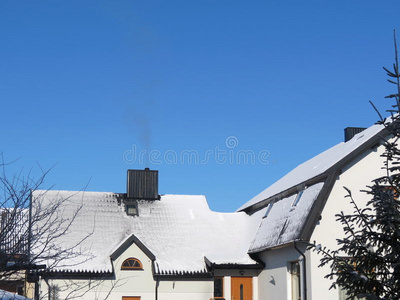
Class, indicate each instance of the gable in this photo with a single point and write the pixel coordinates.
(127, 243)
(129, 254)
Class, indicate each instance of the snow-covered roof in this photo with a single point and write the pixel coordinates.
(316, 165)
(179, 230)
(285, 219)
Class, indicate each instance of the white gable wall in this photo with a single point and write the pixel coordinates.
(134, 282)
(356, 176)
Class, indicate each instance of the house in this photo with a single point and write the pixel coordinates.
(301, 207)
(139, 245)
(14, 251)
(147, 246)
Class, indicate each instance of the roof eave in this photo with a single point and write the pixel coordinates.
(286, 193)
(76, 274)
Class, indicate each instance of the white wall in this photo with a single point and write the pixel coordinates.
(184, 289)
(356, 177)
(274, 280)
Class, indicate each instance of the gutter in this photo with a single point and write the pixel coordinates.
(304, 271)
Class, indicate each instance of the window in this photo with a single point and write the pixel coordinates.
(268, 209)
(132, 264)
(298, 197)
(218, 287)
(132, 209)
(295, 280)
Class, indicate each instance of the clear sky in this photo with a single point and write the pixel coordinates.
(94, 88)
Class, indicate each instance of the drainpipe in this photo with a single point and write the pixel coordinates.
(304, 271)
(37, 294)
(157, 284)
(30, 228)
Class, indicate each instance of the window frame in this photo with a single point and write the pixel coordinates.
(269, 208)
(135, 205)
(130, 268)
(222, 288)
(295, 283)
(296, 200)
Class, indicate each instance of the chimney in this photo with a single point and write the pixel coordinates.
(350, 132)
(142, 184)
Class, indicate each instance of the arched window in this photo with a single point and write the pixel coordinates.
(132, 264)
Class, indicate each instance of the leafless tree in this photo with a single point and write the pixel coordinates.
(30, 230)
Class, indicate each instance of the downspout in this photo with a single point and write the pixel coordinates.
(304, 271)
(48, 289)
(36, 276)
(37, 294)
(156, 277)
(30, 228)
(157, 284)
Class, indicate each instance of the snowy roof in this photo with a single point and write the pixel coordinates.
(316, 165)
(179, 230)
(285, 219)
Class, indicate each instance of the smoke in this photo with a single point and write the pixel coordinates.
(138, 121)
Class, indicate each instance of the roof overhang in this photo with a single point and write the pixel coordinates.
(69, 274)
(211, 265)
(182, 274)
(277, 247)
(286, 193)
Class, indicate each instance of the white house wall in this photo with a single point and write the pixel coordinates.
(186, 289)
(356, 177)
(274, 280)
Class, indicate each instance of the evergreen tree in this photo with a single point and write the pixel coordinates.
(367, 262)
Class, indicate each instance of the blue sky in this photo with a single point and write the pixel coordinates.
(87, 87)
